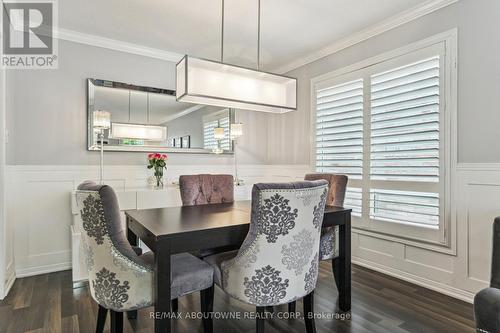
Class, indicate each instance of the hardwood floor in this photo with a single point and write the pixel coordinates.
(48, 303)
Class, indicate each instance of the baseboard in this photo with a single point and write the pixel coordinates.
(442, 288)
(25, 272)
(10, 278)
(9, 282)
(80, 284)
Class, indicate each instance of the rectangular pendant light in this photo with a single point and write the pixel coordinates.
(138, 132)
(213, 83)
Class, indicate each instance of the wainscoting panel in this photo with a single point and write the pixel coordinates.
(429, 259)
(479, 189)
(39, 213)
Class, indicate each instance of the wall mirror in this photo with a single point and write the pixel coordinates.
(149, 119)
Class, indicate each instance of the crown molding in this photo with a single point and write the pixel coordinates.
(117, 45)
(393, 22)
(107, 43)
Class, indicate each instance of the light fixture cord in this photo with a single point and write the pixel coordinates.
(258, 36)
(222, 34)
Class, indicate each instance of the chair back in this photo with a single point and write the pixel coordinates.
(206, 189)
(119, 280)
(278, 261)
(337, 187)
(495, 259)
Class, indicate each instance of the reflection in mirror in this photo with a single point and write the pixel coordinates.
(150, 119)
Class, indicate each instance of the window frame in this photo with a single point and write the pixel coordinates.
(443, 239)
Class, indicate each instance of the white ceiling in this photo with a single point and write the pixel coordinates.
(291, 29)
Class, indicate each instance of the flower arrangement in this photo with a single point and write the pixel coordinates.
(157, 162)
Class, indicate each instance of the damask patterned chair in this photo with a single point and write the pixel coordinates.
(278, 261)
(119, 279)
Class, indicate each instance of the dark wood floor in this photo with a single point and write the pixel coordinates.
(48, 303)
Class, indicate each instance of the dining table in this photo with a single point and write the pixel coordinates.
(171, 230)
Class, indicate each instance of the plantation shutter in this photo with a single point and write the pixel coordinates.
(225, 124)
(405, 123)
(404, 141)
(209, 141)
(339, 129)
(383, 123)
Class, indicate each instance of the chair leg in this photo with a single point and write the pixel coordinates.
(309, 313)
(101, 319)
(175, 305)
(207, 308)
(132, 314)
(292, 306)
(336, 271)
(261, 321)
(116, 322)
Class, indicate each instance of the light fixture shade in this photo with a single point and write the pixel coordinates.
(138, 132)
(213, 83)
(236, 130)
(219, 133)
(101, 119)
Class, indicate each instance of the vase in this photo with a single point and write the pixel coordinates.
(159, 177)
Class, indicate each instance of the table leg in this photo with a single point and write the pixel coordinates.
(344, 265)
(132, 238)
(162, 288)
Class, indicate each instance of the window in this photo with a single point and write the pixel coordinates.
(383, 123)
(220, 119)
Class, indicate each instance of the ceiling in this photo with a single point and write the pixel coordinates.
(291, 29)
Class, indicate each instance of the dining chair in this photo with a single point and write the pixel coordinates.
(329, 245)
(119, 279)
(278, 260)
(487, 301)
(206, 189)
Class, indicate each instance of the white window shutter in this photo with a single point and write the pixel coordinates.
(405, 123)
(209, 141)
(339, 129)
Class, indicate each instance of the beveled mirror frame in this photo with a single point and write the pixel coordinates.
(91, 146)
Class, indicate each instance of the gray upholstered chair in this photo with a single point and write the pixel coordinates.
(329, 245)
(487, 301)
(278, 261)
(204, 190)
(119, 279)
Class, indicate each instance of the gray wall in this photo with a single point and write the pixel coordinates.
(47, 117)
(478, 23)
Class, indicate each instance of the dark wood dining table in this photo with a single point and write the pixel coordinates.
(172, 230)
